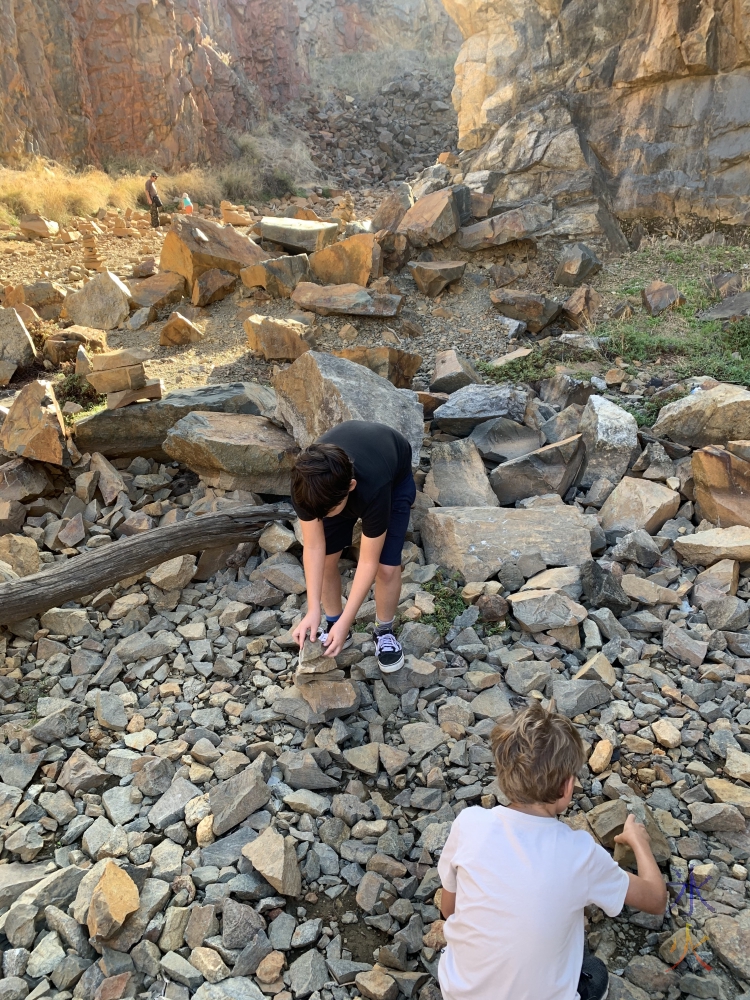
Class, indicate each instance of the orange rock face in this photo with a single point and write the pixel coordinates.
(88, 88)
(34, 426)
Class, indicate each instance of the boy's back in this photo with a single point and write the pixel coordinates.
(521, 883)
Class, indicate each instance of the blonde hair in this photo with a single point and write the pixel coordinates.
(536, 751)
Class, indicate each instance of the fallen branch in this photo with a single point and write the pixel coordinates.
(90, 573)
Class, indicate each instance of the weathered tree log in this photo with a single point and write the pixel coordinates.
(87, 574)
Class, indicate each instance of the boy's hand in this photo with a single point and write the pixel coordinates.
(310, 624)
(336, 639)
(634, 834)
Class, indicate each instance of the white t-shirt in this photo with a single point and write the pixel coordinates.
(521, 884)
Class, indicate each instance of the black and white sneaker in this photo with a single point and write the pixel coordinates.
(389, 652)
(323, 638)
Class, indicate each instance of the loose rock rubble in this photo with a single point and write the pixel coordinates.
(188, 799)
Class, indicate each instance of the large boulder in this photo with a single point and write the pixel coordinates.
(320, 391)
(352, 261)
(431, 220)
(345, 300)
(610, 435)
(474, 404)
(46, 298)
(638, 503)
(195, 245)
(393, 208)
(475, 541)
(16, 346)
(713, 416)
(399, 367)
(551, 469)
(300, 235)
(518, 224)
(157, 292)
(457, 476)
(103, 303)
(142, 429)
(234, 451)
(722, 486)
(34, 427)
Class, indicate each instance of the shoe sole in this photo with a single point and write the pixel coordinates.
(391, 668)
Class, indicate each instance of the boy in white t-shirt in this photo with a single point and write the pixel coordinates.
(516, 881)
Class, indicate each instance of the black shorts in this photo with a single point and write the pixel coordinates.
(339, 529)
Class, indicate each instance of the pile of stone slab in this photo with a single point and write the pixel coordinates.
(121, 377)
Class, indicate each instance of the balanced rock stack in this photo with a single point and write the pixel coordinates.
(121, 375)
(91, 259)
(124, 226)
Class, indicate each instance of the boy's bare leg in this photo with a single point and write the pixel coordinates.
(387, 592)
(331, 592)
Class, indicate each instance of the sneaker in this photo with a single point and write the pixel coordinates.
(594, 981)
(323, 637)
(389, 652)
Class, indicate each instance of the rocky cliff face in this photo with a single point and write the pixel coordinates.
(640, 104)
(332, 27)
(93, 80)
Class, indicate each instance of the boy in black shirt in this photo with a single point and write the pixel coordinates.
(357, 470)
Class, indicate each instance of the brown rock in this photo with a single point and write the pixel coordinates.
(234, 451)
(12, 516)
(658, 297)
(399, 367)
(551, 469)
(582, 307)
(722, 486)
(431, 220)
(518, 224)
(432, 277)
(723, 576)
(638, 503)
(194, 245)
(351, 262)
(536, 311)
(278, 339)
(270, 969)
(707, 547)
(430, 401)
(376, 984)
(712, 416)
(453, 372)
(20, 553)
(345, 300)
(118, 379)
(157, 292)
(114, 898)
(153, 389)
(16, 346)
(492, 608)
(37, 225)
(212, 286)
(275, 858)
(279, 276)
(63, 345)
(34, 427)
(393, 208)
(179, 330)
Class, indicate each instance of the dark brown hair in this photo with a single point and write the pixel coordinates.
(321, 478)
(536, 751)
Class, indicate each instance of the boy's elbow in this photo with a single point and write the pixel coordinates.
(659, 903)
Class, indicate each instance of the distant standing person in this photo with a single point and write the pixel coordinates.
(153, 199)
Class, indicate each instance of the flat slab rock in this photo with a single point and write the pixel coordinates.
(345, 300)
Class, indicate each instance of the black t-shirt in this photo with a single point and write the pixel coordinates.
(381, 458)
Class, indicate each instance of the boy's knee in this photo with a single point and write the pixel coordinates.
(387, 574)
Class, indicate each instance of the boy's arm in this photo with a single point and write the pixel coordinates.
(647, 890)
(367, 570)
(447, 903)
(313, 560)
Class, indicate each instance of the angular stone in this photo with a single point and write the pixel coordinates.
(16, 346)
(507, 227)
(538, 610)
(103, 303)
(351, 261)
(392, 208)
(21, 481)
(433, 277)
(194, 245)
(181, 971)
(577, 264)
(34, 428)
(474, 404)
(237, 798)
(658, 297)
(399, 367)
(730, 939)
(721, 485)
(708, 547)
(277, 339)
(212, 286)
(639, 503)
(345, 300)
(113, 900)
(171, 806)
(279, 277)
(648, 593)
(678, 644)
(301, 235)
(234, 451)
(457, 476)
(377, 985)
(275, 858)
(318, 392)
(141, 430)
(712, 416)
(503, 440)
(453, 372)
(45, 957)
(175, 574)
(716, 817)
(235, 988)
(581, 309)
(536, 311)
(475, 540)
(157, 292)
(597, 668)
(551, 469)
(431, 219)
(574, 697)
(610, 435)
(20, 553)
(179, 330)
